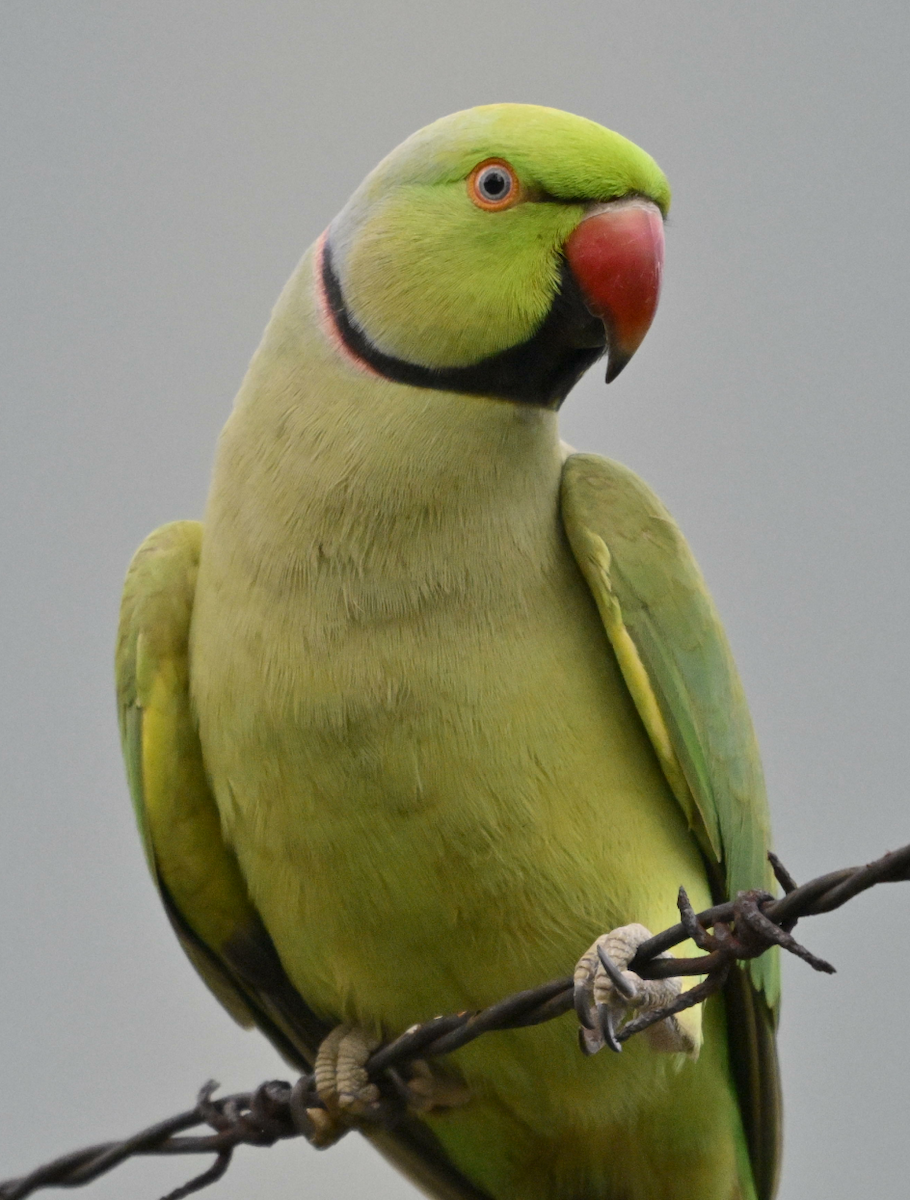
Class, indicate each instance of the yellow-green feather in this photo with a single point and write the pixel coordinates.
(204, 895)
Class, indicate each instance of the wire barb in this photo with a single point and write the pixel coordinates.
(212, 1175)
(736, 931)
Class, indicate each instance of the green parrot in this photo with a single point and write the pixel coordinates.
(429, 702)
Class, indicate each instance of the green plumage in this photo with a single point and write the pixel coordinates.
(442, 705)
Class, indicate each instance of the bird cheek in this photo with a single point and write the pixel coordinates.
(616, 254)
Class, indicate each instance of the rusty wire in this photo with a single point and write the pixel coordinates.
(744, 928)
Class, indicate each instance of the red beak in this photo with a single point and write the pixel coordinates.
(617, 255)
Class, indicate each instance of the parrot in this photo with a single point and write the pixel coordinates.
(429, 701)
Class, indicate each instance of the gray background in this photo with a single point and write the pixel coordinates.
(163, 166)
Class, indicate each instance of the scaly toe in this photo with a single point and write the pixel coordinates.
(342, 1083)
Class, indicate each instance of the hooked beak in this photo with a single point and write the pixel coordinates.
(616, 254)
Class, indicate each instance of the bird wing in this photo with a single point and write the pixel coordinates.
(195, 870)
(677, 664)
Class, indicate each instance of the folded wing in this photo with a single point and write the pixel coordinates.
(677, 664)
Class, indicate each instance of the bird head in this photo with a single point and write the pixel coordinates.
(499, 251)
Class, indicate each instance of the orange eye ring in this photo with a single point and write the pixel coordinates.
(493, 185)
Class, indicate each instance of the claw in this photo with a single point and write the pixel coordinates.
(607, 1027)
(582, 999)
(621, 982)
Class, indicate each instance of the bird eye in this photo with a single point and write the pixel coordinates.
(493, 185)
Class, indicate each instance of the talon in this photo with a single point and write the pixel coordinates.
(621, 982)
(582, 1000)
(608, 1028)
(324, 1129)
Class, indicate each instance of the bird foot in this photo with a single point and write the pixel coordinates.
(607, 994)
(350, 1098)
(342, 1084)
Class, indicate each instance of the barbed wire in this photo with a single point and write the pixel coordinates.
(744, 928)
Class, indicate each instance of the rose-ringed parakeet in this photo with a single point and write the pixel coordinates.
(429, 702)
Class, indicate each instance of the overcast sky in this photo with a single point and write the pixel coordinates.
(163, 167)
